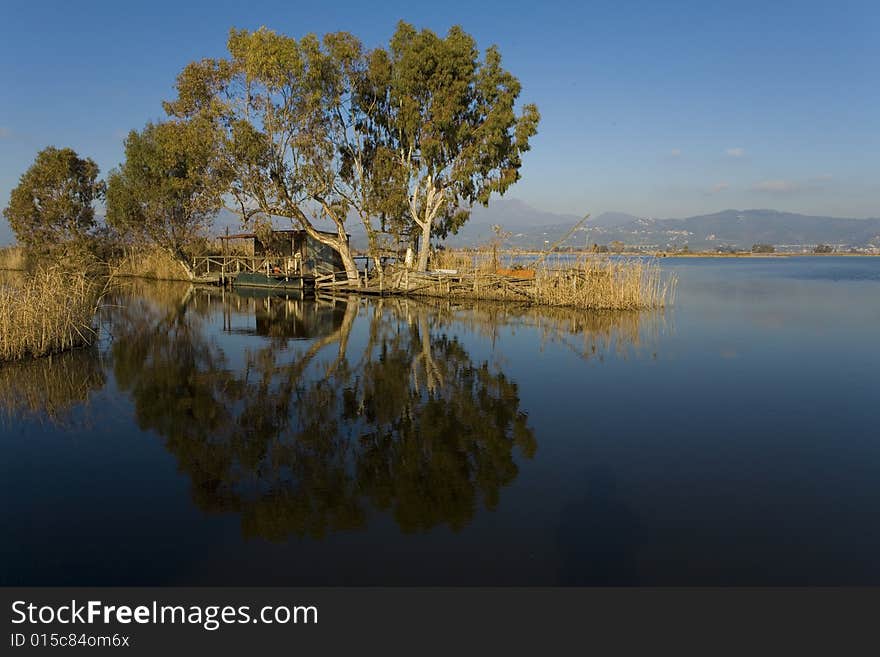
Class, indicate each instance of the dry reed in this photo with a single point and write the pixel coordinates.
(590, 283)
(150, 263)
(48, 312)
(600, 283)
(13, 258)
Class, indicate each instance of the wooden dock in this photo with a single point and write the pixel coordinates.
(270, 273)
(252, 271)
(443, 283)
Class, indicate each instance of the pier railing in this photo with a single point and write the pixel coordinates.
(223, 267)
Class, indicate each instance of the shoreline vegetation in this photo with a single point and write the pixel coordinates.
(151, 264)
(13, 258)
(590, 282)
(48, 311)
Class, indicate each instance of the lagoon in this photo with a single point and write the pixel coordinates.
(220, 438)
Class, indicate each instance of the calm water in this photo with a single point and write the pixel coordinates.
(224, 439)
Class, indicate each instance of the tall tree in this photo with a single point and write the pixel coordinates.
(451, 119)
(170, 185)
(364, 173)
(277, 101)
(54, 201)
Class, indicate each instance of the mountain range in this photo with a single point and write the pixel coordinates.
(532, 228)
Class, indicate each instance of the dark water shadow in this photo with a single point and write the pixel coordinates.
(599, 536)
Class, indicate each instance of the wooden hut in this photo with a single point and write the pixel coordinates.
(290, 252)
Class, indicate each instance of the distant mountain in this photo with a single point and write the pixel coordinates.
(612, 219)
(743, 228)
(532, 228)
(730, 228)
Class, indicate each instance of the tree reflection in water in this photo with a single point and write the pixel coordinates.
(305, 437)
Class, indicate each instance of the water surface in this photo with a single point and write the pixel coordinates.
(219, 438)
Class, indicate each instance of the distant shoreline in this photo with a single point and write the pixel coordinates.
(667, 254)
(765, 255)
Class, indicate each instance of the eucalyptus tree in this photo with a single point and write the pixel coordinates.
(169, 187)
(365, 175)
(280, 106)
(54, 201)
(450, 117)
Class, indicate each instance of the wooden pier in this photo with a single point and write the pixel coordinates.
(398, 280)
(274, 273)
(223, 269)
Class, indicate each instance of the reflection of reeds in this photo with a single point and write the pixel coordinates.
(162, 293)
(588, 334)
(48, 387)
(47, 312)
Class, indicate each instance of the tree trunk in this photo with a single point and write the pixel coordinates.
(339, 244)
(424, 246)
(351, 271)
(374, 253)
(181, 258)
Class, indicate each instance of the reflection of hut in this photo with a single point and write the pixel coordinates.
(293, 318)
(292, 251)
(279, 315)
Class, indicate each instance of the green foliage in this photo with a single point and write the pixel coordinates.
(451, 118)
(53, 203)
(267, 101)
(169, 186)
(763, 248)
(407, 137)
(283, 109)
(823, 248)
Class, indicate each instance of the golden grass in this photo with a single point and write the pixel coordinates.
(150, 263)
(589, 283)
(600, 283)
(13, 258)
(47, 312)
(451, 259)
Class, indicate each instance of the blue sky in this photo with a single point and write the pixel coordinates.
(654, 108)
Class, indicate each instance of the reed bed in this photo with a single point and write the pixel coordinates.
(13, 258)
(590, 283)
(47, 312)
(606, 284)
(150, 263)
